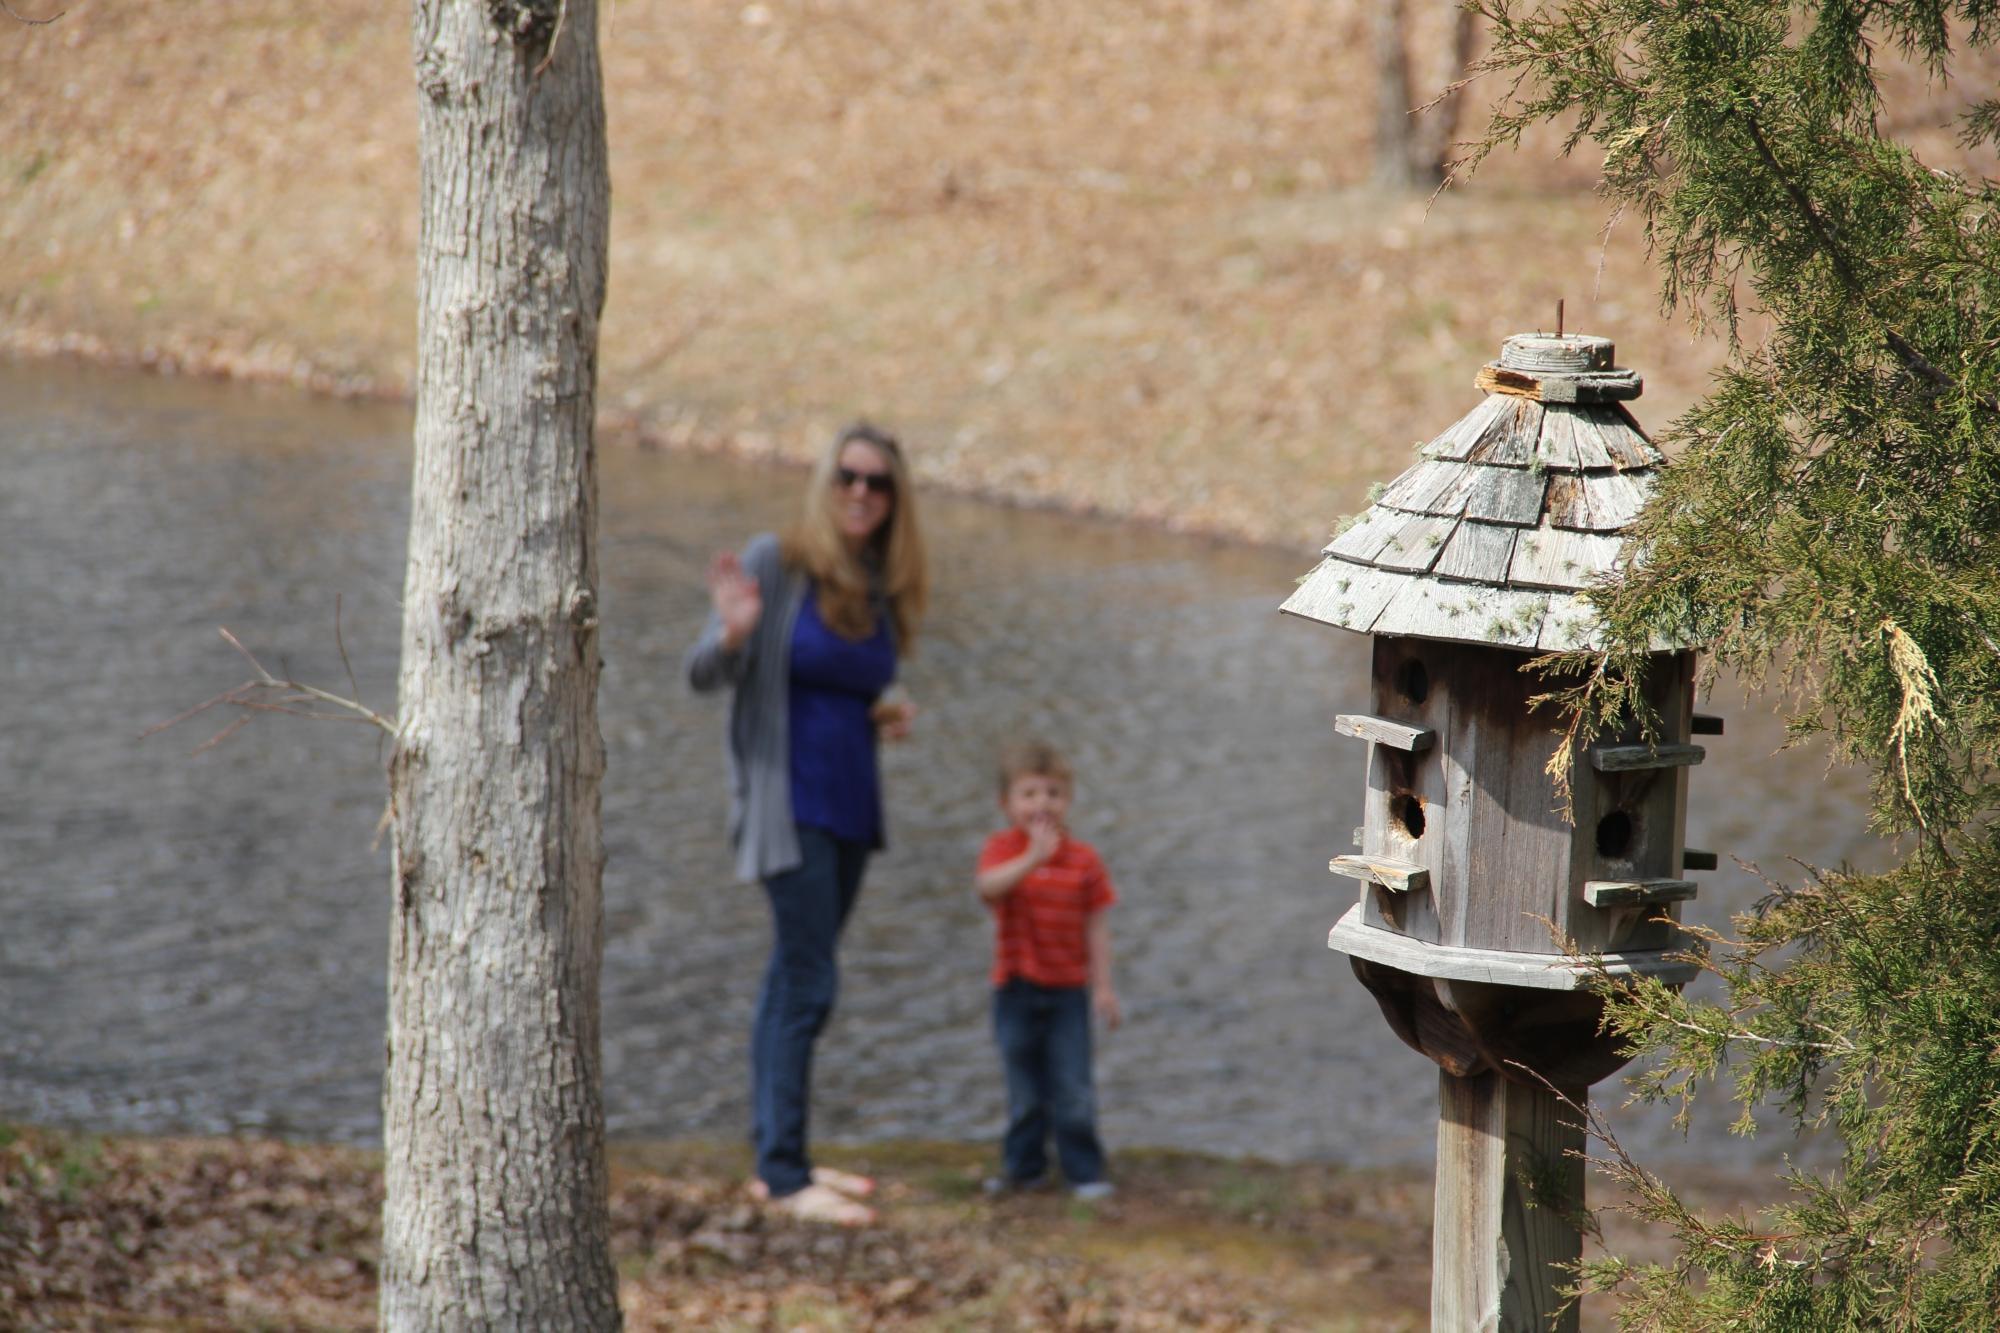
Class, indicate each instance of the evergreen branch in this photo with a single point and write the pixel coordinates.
(1905, 352)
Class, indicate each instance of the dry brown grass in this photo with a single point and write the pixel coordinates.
(1117, 256)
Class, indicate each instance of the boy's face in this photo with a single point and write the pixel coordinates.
(1036, 798)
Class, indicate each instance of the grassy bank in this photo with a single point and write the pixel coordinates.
(1121, 258)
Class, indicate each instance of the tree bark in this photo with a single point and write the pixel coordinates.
(495, 1214)
(1414, 150)
(1437, 128)
(1395, 148)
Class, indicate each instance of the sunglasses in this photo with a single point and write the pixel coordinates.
(880, 483)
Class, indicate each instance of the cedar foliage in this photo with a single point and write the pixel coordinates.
(1829, 530)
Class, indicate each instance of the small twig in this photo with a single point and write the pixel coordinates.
(562, 12)
(223, 735)
(353, 685)
(266, 693)
(18, 17)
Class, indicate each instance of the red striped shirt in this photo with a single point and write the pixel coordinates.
(1039, 930)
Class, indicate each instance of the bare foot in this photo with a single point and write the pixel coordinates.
(844, 1182)
(818, 1203)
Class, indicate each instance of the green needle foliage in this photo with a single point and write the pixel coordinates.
(1830, 530)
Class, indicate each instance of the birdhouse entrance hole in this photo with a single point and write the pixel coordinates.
(1614, 835)
(1413, 682)
(1408, 813)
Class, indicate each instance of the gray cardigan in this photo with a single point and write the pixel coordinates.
(759, 736)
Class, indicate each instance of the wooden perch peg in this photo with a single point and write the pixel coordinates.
(1398, 876)
(1636, 892)
(1631, 758)
(1384, 732)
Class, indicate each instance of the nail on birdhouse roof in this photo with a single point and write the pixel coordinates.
(1508, 515)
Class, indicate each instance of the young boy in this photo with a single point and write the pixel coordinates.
(1051, 966)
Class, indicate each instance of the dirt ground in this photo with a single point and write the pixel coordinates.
(201, 1234)
(197, 1234)
(1119, 257)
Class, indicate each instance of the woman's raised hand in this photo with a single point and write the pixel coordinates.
(738, 600)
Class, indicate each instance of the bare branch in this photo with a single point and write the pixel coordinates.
(32, 23)
(353, 686)
(223, 735)
(266, 693)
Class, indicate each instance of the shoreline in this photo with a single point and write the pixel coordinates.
(204, 358)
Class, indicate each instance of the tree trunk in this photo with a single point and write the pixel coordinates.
(1413, 149)
(1395, 148)
(493, 1123)
(1437, 127)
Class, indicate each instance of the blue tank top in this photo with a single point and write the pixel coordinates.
(834, 683)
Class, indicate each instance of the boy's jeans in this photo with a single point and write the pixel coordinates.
(1044, 1036)
(809, 905)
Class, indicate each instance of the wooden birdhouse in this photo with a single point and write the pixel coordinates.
(1473, 873)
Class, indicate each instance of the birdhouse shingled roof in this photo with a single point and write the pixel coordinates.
(1507, 516)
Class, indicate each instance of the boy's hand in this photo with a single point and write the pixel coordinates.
(1043, 839)
(1105, 1001)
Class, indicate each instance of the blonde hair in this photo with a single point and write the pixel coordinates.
(894, 565)
(1033, 759)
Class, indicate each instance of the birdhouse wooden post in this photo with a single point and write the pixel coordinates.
(1472, 872)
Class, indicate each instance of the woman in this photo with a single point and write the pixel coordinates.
(806, 631)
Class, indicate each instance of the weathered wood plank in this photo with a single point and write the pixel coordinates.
(1569, 502)
(1384, 732)
(1366, 535)
(1590, 448)
(1705, 724)
(1501, 822)
(1557, 445)
(1623, 446)
(1571, 622)
(1647, 450)
(1554, 387)
(1390, 873)
(1344, 594)
(1615, 498)
(1499, 967)
(1509, 439)
(1417, 490)
(1477, 551)
(1562, 559)
(1416, 544)
(1631, 758)
(1634, 892)
(1694, 858)
(1386, 822)
(1456, 441)
(1468, 612)
(1506, 495)
(1510, 1184)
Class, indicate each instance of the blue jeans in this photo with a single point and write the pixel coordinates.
(809, 905)
(1044, 1036)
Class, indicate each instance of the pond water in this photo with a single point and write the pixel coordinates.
(197, 942)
